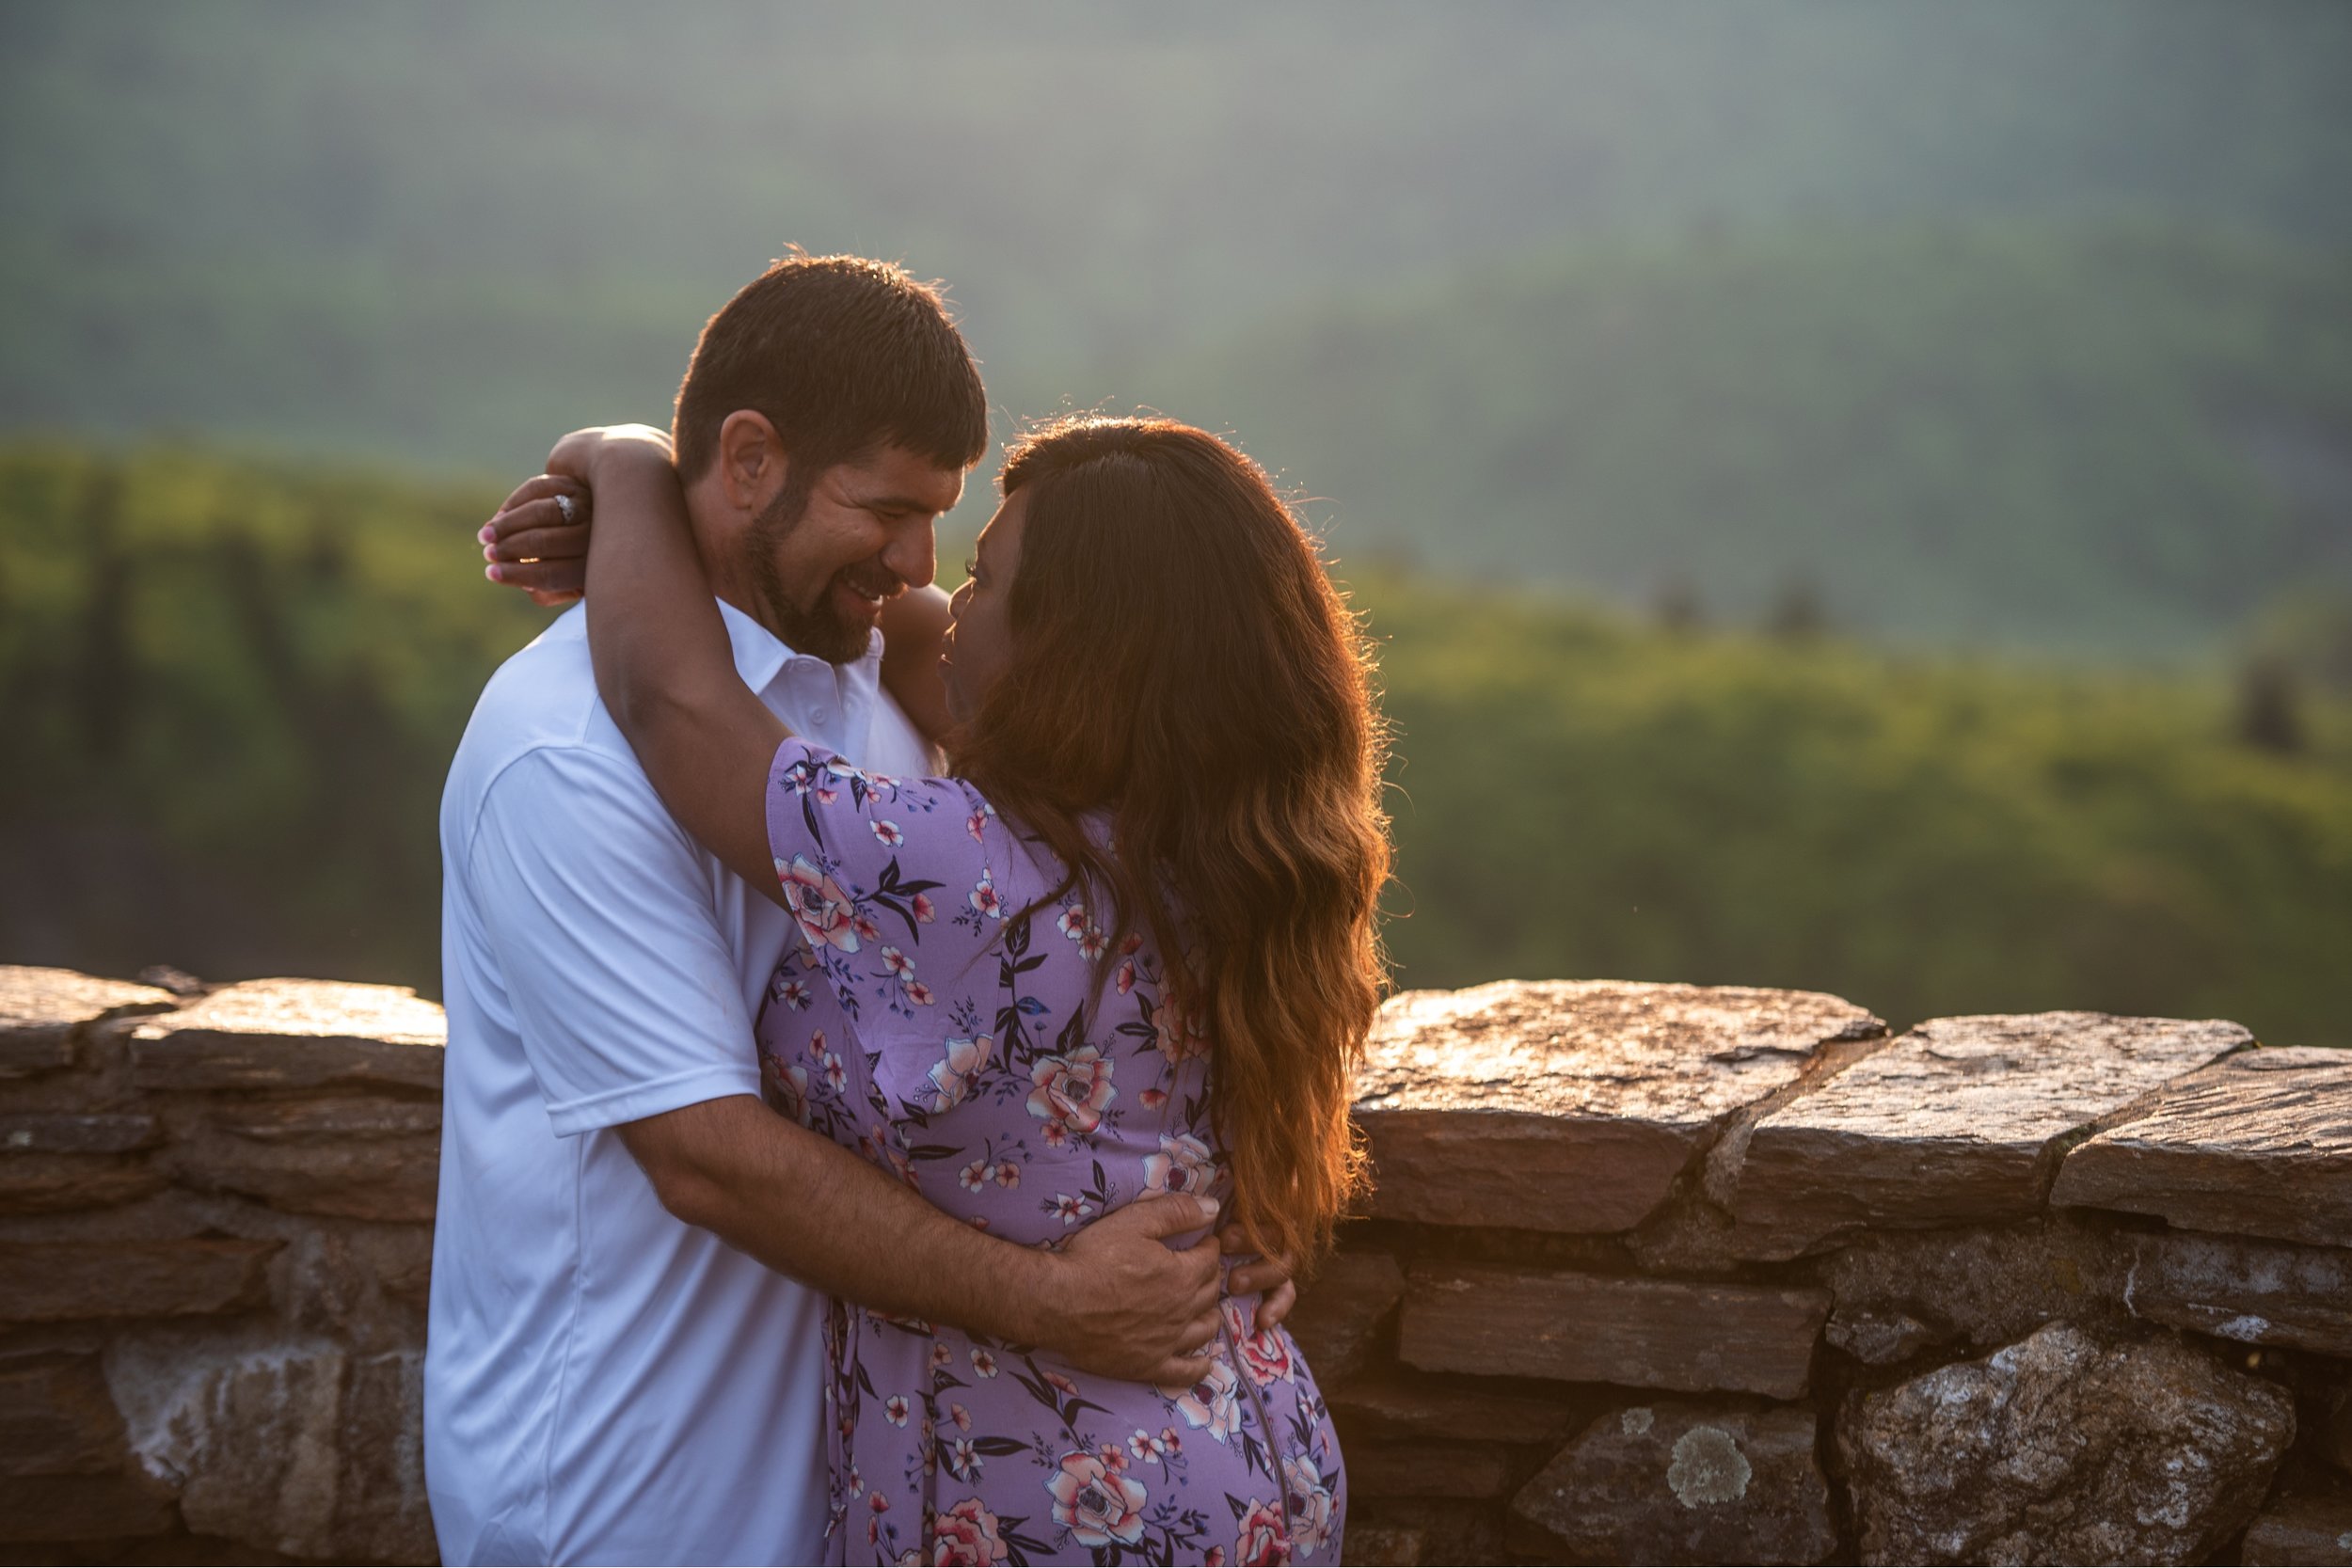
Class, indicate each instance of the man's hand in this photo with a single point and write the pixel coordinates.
(1269, 1275)
(1124, 1304)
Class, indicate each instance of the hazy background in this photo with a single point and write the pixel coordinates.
(1853, 495)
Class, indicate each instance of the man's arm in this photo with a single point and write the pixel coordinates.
(629, 1003)
(1127, 1306)
(529, 544)
(1117, 1301)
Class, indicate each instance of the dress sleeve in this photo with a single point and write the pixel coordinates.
(895, 887)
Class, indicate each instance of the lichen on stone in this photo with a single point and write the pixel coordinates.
(1708, 1467)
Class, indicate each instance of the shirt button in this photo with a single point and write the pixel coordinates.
(822, 715)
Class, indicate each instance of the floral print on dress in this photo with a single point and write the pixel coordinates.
(987, 1046)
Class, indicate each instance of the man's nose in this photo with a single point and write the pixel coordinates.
(912, 554)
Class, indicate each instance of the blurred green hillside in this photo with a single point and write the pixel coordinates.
(1581, 795)
(232, 688)
(2001, 323)
(2120, 441)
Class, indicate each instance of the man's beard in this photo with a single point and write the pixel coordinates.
(820, 628)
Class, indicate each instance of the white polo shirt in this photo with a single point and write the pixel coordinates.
(603, 1383)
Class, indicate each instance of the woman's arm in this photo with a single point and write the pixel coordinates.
(663, 662)
(912, 625)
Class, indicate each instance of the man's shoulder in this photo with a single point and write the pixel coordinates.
(541, 708)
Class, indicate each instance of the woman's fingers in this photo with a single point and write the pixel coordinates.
(540, 487)
(553, 577)
(537, 515)
(538, 544)
(1276, 1305)
(530, 544)
(1183, 1372)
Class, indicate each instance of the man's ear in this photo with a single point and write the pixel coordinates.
(751, 460)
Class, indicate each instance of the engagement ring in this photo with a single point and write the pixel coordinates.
(568, 507)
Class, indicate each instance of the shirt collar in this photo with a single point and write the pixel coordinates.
(760, 655)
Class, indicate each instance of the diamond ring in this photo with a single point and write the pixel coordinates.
(568, 508)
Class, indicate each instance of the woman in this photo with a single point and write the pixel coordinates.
(1128, 949)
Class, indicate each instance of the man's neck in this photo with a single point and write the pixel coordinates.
(715, 528)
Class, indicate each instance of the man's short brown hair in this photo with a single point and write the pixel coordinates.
(842, 354)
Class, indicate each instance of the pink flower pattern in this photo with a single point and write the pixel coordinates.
(1027, 1086)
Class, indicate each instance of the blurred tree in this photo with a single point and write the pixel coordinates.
(102, 674)
(2310, 632)
(1678, 607)
(2269, 714)
(1797, 614)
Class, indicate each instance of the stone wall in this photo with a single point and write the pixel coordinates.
(1661, 1274)
(215, 1228)
(1653, 1273)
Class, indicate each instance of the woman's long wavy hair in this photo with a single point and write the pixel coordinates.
(1181, 659)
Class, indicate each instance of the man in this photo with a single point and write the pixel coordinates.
(615, 1371)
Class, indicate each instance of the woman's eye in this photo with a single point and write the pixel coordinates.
(971, 568)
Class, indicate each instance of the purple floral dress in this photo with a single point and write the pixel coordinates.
(924, 1020)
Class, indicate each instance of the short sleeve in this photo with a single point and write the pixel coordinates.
(597, 909)
(896, 886)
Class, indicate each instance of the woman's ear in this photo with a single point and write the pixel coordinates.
(752, 459)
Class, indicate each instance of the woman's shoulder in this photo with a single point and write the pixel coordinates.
(881, 830)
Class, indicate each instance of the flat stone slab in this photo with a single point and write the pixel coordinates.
(1681, 1483)
(57, 1418)
(55, 1133)
(45, 1509)
(2305, 1529)
(1898, 1291)
(59, 1281)
(2331, 1428)
(56, 1162)
(1571, 1106)
(1370, 1544)
(1636, 1333)
(1434, 1469)
(1339, 1316)
(1953, 1124)
(2260, 1292)
(1396, 1404)
(41, 1010)
(239, 1037)
(2260, 1143)
(2065, 1447)
(56, 1183)
(371, 1175)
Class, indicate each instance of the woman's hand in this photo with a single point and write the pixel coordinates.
(1269, 1278)
(539, 544)
(537, 540)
